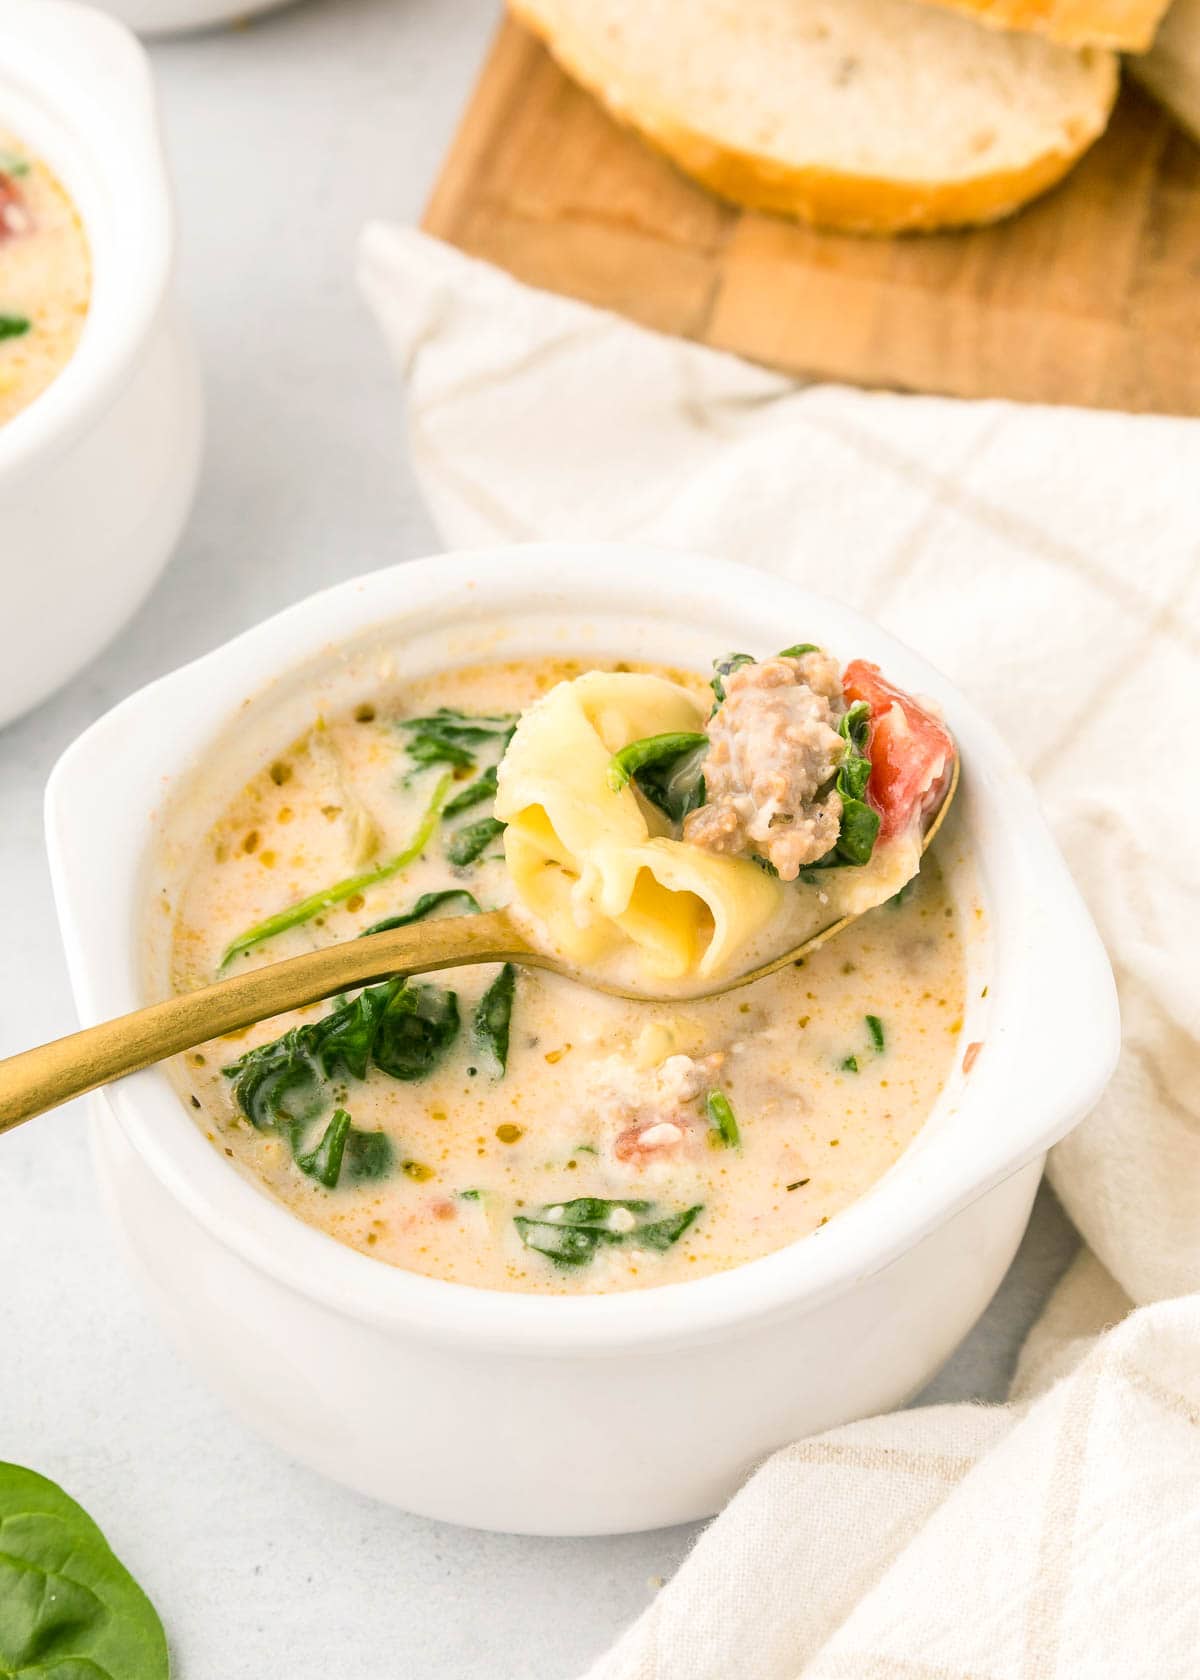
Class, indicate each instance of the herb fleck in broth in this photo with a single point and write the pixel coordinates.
(532, 1135)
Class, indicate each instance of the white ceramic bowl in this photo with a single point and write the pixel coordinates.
(601, 1413)
(173, 17)
(97, 474)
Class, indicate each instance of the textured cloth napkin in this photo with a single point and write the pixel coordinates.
(1046, 559)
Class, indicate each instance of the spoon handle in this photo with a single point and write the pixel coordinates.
(40, 1079)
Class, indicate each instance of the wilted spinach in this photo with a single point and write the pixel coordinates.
(14, 326)
(569, 1233)
(475, 793)
(68, 1607)
(448, 736)
(401, 1028)
(493, 1014)
(344, 1150)
(668, 769)
(425, 906)
(306, 908)
(860, 821)
(723, 1120)
(465, 845)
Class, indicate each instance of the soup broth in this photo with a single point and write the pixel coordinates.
(621, 1145)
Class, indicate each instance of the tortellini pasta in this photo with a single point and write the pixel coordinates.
(600, 869)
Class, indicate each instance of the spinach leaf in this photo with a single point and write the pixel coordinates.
(425, 906)
(668, 769)
(466, 844)
(475, 793)
(493, 1014)
(14, 326)
(723, 1120)
(723, 668)
(67, 1606)
(306, 908)
(415, 1031)
(401, 1028)
(278, 1085)
(875, 1028)
(798, 650)
(368, 1155)
(569, 1233)
(344, 1151)
(451, 737)
(860, 821)
(324, 1162)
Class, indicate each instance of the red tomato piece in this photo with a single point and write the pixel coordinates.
(911, 751)
(14, 214)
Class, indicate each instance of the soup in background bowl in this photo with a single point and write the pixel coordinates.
(45, 276)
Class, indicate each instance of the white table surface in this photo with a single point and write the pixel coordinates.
(284, 137)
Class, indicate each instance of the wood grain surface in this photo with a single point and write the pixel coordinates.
(1090, 296)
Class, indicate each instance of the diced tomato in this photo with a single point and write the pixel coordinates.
(14, 217)
(911, 751)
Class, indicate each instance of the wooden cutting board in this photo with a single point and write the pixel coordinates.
(1091, 296)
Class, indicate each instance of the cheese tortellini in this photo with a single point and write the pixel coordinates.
(600, 869)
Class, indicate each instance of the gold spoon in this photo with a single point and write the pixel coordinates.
(36, 1080)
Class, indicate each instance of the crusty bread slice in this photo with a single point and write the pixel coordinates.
(1127, 25)
(872, 116)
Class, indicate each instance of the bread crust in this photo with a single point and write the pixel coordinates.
(1125, 25)
(837, 200)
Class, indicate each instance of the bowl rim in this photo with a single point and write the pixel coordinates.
(1057, 985)
(90, 79)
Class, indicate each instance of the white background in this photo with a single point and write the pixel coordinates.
(284, 137)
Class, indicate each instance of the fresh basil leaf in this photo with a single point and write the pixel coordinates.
(14, 326)
(466, 844)
(69, 1610)
(723, 668)
(493, 1015)
(417, 1028)
(425, 906)
(475, 793)
(324, 1163)
(569, 1233)
(723, 1120)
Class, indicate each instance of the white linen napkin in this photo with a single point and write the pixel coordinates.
(1046, 559)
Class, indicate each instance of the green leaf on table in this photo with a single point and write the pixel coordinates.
(69, 1610)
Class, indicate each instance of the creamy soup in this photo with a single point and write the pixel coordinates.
(511, 1129)
(45, 277)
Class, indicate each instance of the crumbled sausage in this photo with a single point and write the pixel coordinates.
(654, 1111)
(774, 747)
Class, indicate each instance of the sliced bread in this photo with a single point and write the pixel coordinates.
(872, 116)
(1127, 25)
